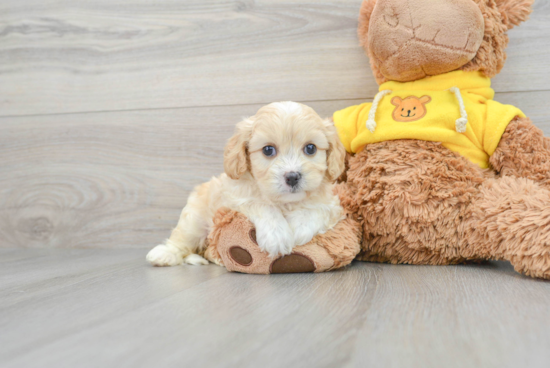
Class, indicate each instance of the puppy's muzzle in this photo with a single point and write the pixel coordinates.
(292, 178)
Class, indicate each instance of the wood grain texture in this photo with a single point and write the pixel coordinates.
(109, 179)
(120, 179)
(111, 111)
(64, 56)
(91, 308)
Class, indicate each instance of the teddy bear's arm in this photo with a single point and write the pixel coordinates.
(524, 152)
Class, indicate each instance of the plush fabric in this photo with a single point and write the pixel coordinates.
(421, 201)
(437, 37)
(232, 244)
(433, 120)
(523, 152)
(499, 16)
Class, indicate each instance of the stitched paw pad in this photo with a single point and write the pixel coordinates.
(293, 263)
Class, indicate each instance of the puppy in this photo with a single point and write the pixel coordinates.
(279, 171)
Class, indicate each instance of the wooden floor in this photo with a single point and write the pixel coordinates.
(107, 308)
(111, 111)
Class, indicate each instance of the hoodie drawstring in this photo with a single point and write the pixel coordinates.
(371, 124)
(463, 120)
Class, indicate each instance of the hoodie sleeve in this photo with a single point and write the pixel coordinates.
(498, 118)
(347, 122)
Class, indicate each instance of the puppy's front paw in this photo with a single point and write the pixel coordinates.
(303, 235)
(304, 227)
(161, 255)
(276, 241)
(195, 260)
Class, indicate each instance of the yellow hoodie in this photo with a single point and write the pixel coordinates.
(456, 109)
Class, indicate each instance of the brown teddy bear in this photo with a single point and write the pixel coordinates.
(452, 175)
(437, 172)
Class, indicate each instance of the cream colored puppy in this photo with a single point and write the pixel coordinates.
(279, 171)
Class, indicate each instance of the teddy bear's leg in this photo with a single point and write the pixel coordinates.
(420, 203)
(410, 198)
(232, 244)
(524, 152)
(510, 220)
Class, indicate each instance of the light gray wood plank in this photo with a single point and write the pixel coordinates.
(62, 56)
(80, 288)
(365, 315)
(102, 300)
(468, 316)
(120, 179)
(42, 265)
(67, 56)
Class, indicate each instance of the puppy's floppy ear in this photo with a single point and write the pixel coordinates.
(514, 11)
(235, 157)
(336, 153)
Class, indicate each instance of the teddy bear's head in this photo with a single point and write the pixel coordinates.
(407, 40)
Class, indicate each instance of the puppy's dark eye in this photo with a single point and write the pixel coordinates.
(414, 108)
(310, 149)
(269, 151)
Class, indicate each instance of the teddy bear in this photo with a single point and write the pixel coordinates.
(437, 171)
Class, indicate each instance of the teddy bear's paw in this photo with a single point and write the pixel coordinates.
(247, 257)
(293, 263)
(241, 253)
(532, 265)
(235, 242)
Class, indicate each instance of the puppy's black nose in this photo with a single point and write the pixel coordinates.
(292, 178)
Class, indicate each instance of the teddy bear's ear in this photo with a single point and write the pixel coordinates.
(514, 11)
(425, 99)
(364, 18)
(396, 101)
